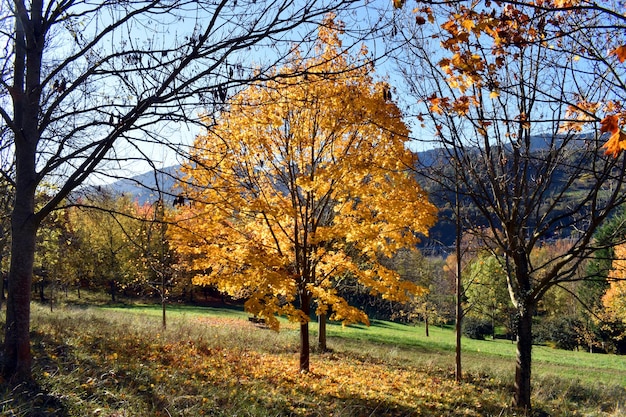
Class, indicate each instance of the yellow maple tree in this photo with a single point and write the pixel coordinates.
(614, 299)
(303, 181)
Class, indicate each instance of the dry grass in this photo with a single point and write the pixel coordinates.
(100, 362)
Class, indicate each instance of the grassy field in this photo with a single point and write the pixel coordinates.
(118, 361)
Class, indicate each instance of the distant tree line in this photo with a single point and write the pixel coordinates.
(108, 243)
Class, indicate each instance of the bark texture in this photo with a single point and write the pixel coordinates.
(523, 360)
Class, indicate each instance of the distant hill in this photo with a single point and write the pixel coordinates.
(144, 188)
(561, 217)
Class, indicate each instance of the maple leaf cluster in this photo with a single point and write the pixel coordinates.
(303, 182)
(510, 28)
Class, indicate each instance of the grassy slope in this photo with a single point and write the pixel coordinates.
(119, 362)
(439, 347)
(494, 354)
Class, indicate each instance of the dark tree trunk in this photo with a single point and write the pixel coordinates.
(113, 288)
(42, 286)
(26, 96)
(305, 348)
(525, 309)
(523, 361)
(426, 325)
(322, 346)
(3, 284)
(17, 357)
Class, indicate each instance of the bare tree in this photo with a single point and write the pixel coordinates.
(505, 102)
(88, 84)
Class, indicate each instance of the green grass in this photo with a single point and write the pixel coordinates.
(116, 360)
(408, 343)
(481, 354)
(179, 311)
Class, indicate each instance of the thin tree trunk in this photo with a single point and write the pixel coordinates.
(426, 324)
(458, 372)
(164, 318)
(42, 295)
(163, 304)
(305, 348)
(113, 288)
(525, 310)
(322, 346)
(523, 363)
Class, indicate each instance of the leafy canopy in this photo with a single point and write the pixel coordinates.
(305, 180)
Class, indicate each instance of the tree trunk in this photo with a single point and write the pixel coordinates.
(26, 96)
(426, 325)
(17, 357)
(305, 349)
(458, 371)
(163, 307)
(3, 287)
(523, 363)
(42, 286)
(322, 346)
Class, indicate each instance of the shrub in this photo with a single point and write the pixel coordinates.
(476, 328)
(558, 332)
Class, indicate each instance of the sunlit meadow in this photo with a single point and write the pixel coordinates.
(104, 361)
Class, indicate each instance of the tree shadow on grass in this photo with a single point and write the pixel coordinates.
(29, 399)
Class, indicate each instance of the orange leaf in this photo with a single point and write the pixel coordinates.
(616, 143)
(438, 105)
(609, 124)
(620, 52)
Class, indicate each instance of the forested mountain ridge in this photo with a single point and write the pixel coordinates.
(144, 188)
(561, 187)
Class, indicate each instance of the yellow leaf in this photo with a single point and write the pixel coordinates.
(468, 24)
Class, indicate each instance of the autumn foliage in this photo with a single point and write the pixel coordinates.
(303, 181)
(512, 27)
(614, 299)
